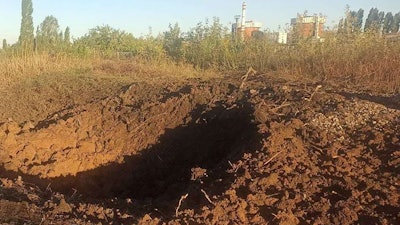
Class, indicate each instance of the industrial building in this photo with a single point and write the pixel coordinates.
(245, 29)
(308, 26)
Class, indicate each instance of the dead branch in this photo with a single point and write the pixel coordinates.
(315, 91)
(251, 71)
(180, 203)
(207, 197)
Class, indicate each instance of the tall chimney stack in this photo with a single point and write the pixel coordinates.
(243, 24)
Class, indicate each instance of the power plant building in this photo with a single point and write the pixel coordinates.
(249, 28)
(245, 29)
(308, 26)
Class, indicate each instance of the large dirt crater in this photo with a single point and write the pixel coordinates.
(215, 152)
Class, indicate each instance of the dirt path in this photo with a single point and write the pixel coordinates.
(208, 153)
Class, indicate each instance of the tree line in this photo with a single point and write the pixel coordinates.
(48, 35)
(208, 43)
(376, 21)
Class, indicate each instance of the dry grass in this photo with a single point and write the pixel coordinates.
(365, 62)
(14, 67)
(152, 70)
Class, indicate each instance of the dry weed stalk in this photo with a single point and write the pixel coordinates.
(312, 94)
(250, 71)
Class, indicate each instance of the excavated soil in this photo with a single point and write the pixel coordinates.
(271, 152)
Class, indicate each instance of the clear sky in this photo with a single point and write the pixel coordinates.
(137, 16)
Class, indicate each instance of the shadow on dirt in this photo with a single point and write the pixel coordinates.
(392, 102)
(163, 172)
(165, 168)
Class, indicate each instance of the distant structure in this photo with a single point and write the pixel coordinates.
(308, 26)
(245, 29)
(282, 37)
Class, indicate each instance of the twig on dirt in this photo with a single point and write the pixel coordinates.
(275, 216)
(147, 121)
(244, 77)
(73, 194)
(234, 166)
(279, 107)
(213, 99)
(207, 197)
(273, 108)
(180, 203)
(273, 157)
(282, 105)
(317, 148)
(272, 195)
(48, 188)
(315, 91)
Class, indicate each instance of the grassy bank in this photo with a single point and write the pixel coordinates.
(33, 86)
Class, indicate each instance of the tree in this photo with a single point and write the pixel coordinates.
(48, 35)
(26, 37)
(352, 22)
(359, 20)
(388, 23)
(173, 41)
(396, 23)
(206, 45)
(67, 35)
(381, 16)
(5, 45)
(372, 22)
(107, 39)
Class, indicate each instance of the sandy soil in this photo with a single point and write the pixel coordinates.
(272, 152)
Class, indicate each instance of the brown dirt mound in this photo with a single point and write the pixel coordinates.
(206, 153)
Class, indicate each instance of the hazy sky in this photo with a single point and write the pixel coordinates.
(137, 16)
